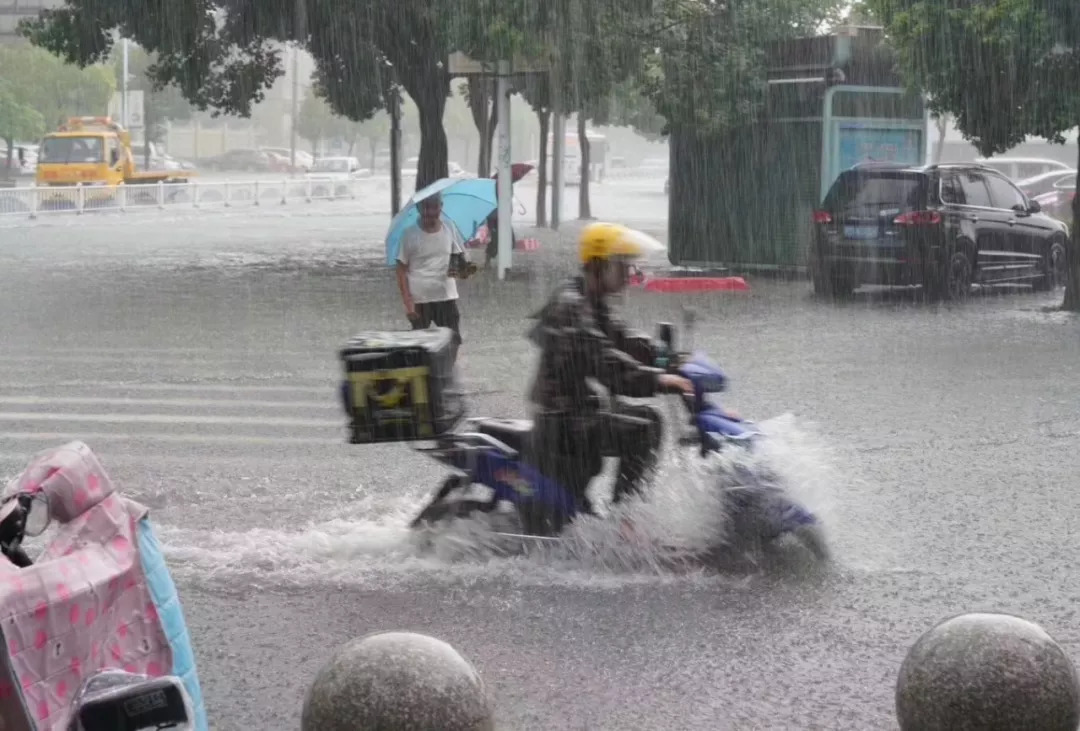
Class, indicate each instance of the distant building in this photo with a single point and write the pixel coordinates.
(12, 11)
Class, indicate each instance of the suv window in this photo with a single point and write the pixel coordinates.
(951, 190)
(975, 191)
(1004, 194)
(855, 189)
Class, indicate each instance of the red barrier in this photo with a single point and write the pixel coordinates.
(693, 284)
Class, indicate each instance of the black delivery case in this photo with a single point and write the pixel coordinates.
(399, 386)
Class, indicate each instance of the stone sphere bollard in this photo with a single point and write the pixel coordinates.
(987, 672)
(397, 681)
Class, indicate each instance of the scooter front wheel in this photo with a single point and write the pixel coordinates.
(812, 537)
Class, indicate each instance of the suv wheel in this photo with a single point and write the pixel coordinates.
(1054, 268)
(957, 277)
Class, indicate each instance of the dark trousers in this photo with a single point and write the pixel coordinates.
(491, 253)
(570, 450)
(440, 314)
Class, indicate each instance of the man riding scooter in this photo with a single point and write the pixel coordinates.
(581, 341)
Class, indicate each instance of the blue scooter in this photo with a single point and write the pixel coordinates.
(496, 453)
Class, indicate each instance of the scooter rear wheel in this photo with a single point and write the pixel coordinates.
(440, 509)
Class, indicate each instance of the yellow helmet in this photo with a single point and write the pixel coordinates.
(601, 241)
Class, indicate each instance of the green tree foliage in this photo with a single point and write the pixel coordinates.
(375, 131)
(628, 106)
(1000, 69)
(38, 92)
(494, 30)
(18, 121)
(316, 122)
(225, 54)
(599, 45)
(707, 72)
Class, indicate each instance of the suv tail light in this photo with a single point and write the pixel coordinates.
(918, 218)
(822, 217)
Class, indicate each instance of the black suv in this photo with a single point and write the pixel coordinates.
(941, 226)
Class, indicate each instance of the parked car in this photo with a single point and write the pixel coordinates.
(1021, 168)
(246, 160)
(337, 168)
(940, 226)
(24, 159)
(1035, 186)
(304, 160)
(330, 175)
(159, 159)
(280, 163)
(1057, 201)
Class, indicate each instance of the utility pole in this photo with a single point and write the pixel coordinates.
(124, 87)
(395, 150)
(503, 190)
(295, 108)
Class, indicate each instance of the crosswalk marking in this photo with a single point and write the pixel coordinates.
(329, 388)
(25, 416)
(157, 359)
(90, 437)
(326, 405)
(277, 411)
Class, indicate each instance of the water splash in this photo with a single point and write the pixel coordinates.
(640, 541)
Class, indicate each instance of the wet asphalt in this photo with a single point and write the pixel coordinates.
(195, 352)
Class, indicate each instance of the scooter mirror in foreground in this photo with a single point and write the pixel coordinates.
(118, 701)
(38, 516)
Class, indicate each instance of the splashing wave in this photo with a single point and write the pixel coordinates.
(684, 515)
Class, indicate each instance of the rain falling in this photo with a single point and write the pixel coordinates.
(677, 364)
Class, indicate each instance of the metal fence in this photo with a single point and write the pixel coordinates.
(57, 200)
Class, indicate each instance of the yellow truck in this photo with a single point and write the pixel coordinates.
(95, 151)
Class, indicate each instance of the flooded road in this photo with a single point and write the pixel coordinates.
(196, 353)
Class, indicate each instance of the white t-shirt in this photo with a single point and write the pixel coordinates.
(426, 257)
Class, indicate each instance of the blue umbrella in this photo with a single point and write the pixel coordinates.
(466, 205)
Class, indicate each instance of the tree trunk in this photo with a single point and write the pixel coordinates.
(373, 148)
(584, 209)
(479, 99)
(1072, 258)
(429, 88)
(10, 151)
(541, 191)
(942, 127)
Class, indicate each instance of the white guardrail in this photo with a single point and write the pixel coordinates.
(34, 201)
